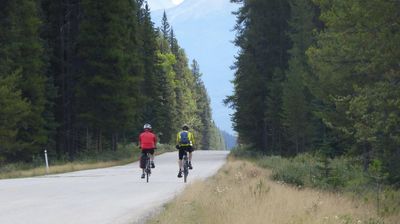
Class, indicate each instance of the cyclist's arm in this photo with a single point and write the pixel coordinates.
(192, 138)
(178, 136)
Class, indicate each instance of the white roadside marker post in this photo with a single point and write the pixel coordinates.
(47, 161)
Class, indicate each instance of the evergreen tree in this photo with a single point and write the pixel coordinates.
(297, 109)
(165, 27)
(173, 42)
(60, 31)
(355, 60)
(167, 113)
(96, 71)
(107, 92)
(188, 105)
(185, 96)
(262, 37)
(295, 112)
(22, 54)
(150, 87)
(203, 108)
(13, 111)
(217, 141)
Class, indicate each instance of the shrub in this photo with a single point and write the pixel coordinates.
(344, 175)
(245, 152)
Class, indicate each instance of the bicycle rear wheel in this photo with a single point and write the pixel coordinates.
(147, 169)
(185, 170)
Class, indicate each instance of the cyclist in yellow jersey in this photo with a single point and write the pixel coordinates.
(184, 142)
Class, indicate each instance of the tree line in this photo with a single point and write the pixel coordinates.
(320, 76)
(82, 76)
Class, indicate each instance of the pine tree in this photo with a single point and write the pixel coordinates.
(105, 70)
(108, 90)
(203, 108)
(173, 42)
(262, 37)
(217, 141)
(185, 98)
(355, 63)
(13, 111)
(165, 27)
(298, 118)
(61, 22)
(295, 111)
(167, 113)
(22, 54)
(150, 85)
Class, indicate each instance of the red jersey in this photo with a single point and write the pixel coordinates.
(147, 140)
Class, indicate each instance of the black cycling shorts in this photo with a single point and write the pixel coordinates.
(151, 151)
(143, 157)
(183, 149)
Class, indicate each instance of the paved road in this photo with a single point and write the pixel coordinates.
(111, 195)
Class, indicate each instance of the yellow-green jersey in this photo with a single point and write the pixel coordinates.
(185, 138)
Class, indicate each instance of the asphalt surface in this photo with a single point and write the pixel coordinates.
(110, 195)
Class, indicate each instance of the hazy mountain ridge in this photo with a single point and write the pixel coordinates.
(230, 140)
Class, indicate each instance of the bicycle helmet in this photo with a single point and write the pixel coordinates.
(185, 127)
(147, 126)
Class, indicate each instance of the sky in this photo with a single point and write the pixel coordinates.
(204, 30)
(177, 2)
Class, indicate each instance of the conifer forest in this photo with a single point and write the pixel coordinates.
(80, 76)
(320, 76)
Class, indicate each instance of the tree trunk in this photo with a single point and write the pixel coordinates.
(114, 142)
(87, 139)
(265, 137)
(100, 140)
(366, 155)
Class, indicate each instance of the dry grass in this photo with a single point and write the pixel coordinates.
(127, 155)
(69, 167)
(242, 193)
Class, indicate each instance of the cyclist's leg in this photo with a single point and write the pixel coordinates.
(190, 150)
(180, 157)
(143, 162)
(190, 155)
(151, 151)
(152, 158)
(180, 163)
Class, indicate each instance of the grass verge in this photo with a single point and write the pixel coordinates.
(341, 174)
(126, 154)
(242, 192)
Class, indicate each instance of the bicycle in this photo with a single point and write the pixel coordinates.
(185, 166)
(147, 167)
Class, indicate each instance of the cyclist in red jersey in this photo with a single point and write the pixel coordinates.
(147, 143)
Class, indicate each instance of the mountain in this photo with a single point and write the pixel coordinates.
(160, 4)
(194, 10)
(204, 29)
(230, 140)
